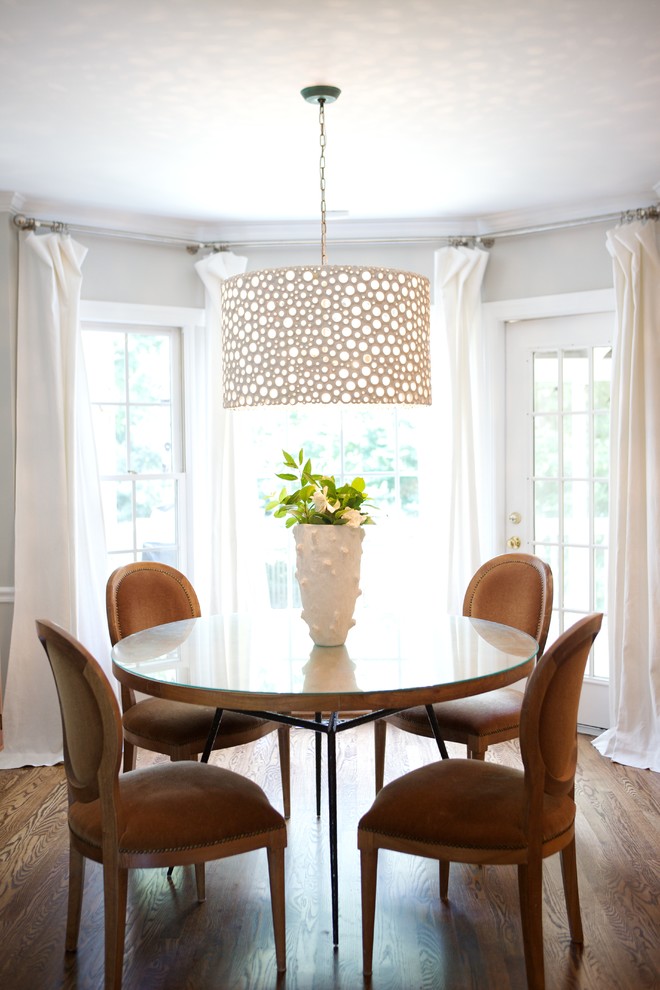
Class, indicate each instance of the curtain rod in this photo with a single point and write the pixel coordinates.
(459, 240)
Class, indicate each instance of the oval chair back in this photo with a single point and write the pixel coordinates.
(146, 594)
(516, 590)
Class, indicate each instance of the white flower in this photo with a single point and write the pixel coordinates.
(321, 503)
(353, 518)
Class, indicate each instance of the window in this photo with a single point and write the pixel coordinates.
(134, 372)
(381, 444)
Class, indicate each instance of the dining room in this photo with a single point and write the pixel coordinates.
(331, 359)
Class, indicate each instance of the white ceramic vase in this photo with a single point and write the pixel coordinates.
(328, 572)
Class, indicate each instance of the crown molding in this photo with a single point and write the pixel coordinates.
(11, 202)
(340, 229)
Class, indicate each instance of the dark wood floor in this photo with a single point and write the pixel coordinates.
(474, 941)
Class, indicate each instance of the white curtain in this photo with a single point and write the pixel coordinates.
(459, 273)
(224, 470)
(60, 562)
(634, 584)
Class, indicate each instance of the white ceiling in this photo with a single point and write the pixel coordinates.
(482, 112)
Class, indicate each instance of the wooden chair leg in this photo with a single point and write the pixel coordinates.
(444, 879)
(474, 749)
(569, 876)
(380, 739)
(200, 881)
(284, 744)
(530, 890)
(76, 885)
(369, 870)
(115, 885)
(277, 900)
(130, 756)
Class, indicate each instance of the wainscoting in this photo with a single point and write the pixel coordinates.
(474, 941)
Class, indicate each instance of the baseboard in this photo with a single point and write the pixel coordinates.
(589, 730)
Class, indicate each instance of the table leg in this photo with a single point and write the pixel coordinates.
(319, 745)
(332, 823)
(215, 725)
(436, 732)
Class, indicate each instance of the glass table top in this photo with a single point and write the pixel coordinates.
(267, 660)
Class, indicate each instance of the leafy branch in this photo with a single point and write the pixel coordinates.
(317, 500)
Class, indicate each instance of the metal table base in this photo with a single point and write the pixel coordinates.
(330, 727)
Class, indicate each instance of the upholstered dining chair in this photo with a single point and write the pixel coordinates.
(516, 590)
(145, 594)
(473, 811)
(168, 813)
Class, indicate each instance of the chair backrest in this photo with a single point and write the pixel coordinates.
(91, 724)
(548, 719)
(145, 594)
(516, 590)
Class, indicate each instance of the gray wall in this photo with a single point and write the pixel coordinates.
(116, 270)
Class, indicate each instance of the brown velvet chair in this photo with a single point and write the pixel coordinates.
(516, 590)
(472, 811)
(168, 813)
(145, 594)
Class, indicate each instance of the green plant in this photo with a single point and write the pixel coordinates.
(317, 500)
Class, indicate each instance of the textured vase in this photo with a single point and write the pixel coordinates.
(328, 572)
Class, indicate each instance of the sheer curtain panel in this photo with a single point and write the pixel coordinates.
(60, 561)
(459, 273)
(634, 579)
(225, 540)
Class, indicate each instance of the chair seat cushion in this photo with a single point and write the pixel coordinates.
(183, 805)
(480, 715)
(466, 804)
(180, 724)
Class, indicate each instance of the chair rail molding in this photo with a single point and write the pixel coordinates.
(6, 595)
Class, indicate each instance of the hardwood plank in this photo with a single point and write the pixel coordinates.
(173, 942)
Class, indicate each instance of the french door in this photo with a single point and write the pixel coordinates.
(558, 374)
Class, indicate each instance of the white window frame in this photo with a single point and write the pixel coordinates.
(185, 320)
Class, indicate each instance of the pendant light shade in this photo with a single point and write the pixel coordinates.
(327, 333)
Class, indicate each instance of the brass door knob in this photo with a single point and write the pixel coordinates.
(513, 543)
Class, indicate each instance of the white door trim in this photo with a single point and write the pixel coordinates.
(495, 316)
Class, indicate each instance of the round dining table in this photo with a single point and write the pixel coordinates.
(264, 663)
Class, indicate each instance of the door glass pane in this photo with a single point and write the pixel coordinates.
(546, 382)
(546, 511)
(576, 512)
(600, 579)
(577, 457)
(575, 384)
(546, 446)
(601, 511)
(601, 444)
(602, 357)
(577, 580)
